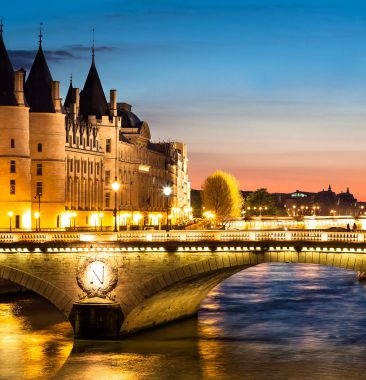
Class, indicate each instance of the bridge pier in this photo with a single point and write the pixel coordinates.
(92, 320)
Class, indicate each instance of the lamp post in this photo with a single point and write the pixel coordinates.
(101, 220)
(39, 211)
(74, 217)
(115, 186)
(37, 215)
(167, 190)
(10, 214)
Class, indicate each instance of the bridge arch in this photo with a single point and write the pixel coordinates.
(178, 293)
(43, 288)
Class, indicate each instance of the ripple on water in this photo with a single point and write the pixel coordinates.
(272, 321)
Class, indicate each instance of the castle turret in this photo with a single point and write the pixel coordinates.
(92, 99)
(47, 143)
(15, 197)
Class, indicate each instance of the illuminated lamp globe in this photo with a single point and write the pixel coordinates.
(116, 185)
(167, 191)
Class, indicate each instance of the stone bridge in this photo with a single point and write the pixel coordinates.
(111, 284)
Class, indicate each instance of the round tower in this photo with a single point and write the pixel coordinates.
(47, 145)
(15, 162)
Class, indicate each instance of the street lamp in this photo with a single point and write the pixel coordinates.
(74, 216)
(37, 215)
(39, 195)
(167, 190)
(115, 186)
(101, 220)
(10, 214)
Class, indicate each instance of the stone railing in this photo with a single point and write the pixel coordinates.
(183, 236)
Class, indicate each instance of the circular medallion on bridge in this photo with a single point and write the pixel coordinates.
(97, 277)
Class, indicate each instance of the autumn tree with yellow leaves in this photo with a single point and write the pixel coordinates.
(221, 196)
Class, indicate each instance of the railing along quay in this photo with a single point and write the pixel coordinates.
(184, 236)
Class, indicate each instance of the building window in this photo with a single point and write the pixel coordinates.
(12, 186)
(39, 147)
(12, 166)
(107, 177)
(107, 200)
(108, 146)
(39, 169)
(84, 164)
(39, 188)
(97, 168)
(12, 143)
(78, 166)
(91, 168)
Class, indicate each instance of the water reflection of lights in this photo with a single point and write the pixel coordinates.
(33, 352)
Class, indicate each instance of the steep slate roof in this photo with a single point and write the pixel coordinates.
(69, 96)
(92, 98)
(38, 87)
(7, 97)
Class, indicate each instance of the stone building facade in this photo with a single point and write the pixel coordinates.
(59, 160)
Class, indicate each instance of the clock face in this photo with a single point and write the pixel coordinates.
(96, 277)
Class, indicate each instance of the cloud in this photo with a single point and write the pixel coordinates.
(25, 58)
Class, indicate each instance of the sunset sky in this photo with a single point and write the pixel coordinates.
(272, 91)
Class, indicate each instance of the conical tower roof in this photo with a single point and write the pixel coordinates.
(38, 87)
(7, 97)
(69, 97)
(92, 98)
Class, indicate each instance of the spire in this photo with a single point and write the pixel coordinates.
(38, 87)
(92, 99)
(69, 95)
(93, 46)
(40, 35)
(329, 188)
(7, 96)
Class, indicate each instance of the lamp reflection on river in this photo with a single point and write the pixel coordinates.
(33, 344)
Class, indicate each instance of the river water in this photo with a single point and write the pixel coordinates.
(272, 321)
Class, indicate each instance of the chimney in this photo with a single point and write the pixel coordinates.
(56, 95)
(75, 102)
(113, 103)
(19, 77)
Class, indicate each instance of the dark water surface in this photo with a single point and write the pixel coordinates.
(272, 321)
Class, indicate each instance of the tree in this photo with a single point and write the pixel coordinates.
(221, 195)
(260, 202)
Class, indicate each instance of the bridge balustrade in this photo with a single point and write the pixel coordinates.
(181, 235)
(6, 238)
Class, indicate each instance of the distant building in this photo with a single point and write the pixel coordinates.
(325, 202)
(60, 160)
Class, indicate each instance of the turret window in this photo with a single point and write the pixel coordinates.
(39, 188)
(12, 186)
(107, 177)
(107, 200)
(39, 169)
(39, 147)
(12, 143)
(12, 167)
(108, 146)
